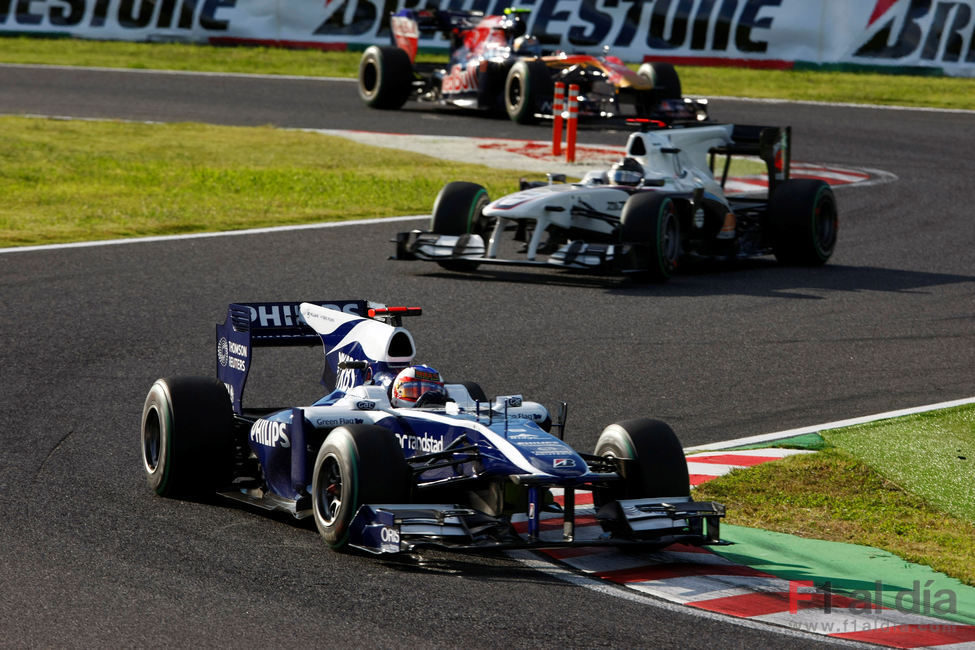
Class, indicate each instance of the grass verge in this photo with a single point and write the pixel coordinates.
(928, 454)
(828, 86)
(883, 485)
(81, 180)
(66, 181)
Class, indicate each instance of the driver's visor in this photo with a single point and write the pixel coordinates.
(412, 390)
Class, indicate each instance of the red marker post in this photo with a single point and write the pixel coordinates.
(570, 136)
(558, 105)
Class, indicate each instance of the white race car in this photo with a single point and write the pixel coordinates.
(662, 203)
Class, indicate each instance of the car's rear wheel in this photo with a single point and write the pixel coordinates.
(650, 226)
(459, 210)
(804, 221)
(356, 465)
(490, 87)
(385, 77)
(187, 429)
(528, 83)
(655, 467)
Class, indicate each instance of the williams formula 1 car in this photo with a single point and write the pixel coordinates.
(392, 459)
(660, 205)
(495, 66)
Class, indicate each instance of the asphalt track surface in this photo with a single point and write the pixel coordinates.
(89, 557)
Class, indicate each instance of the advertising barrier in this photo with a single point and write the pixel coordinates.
(929, 36)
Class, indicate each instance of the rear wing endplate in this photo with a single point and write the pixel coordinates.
(249, 325)
(773, 144)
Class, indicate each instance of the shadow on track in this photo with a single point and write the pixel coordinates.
(758, 278)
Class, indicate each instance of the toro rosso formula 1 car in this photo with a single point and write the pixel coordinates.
(660, 205)
(392, 459)
(495, 66)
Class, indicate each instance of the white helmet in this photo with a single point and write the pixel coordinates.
(414, 382)
(626, 172)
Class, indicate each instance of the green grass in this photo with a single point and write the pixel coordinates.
(80, 180)
(845, 87)
(177, 56)
(857, 87)
(899, 485)
(928, 454)
(66, 181)
(182, 56)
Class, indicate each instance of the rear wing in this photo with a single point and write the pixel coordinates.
(773, 144)
(407, 26)
(362, 340)
(250, 325)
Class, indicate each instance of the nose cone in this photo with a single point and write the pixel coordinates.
(548, 454)
(529, 202)
(563, 465)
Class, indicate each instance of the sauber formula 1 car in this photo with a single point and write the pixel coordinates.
(659, 206)
(447, 467)
(494, 66)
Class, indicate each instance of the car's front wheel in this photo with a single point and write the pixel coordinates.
(650, 226)
(528, 83)
(357, 464)
(459, 210)
(187, 428)
(655, 465)
(475, 391)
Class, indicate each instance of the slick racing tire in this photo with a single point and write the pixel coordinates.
(527, 85)
(187, 428)
(650, 225)
(657, 466)
(663, 78)
(475, 391)
(385, 77)
(356, 464)
(490, 88)
(803, 219)
(458, 210)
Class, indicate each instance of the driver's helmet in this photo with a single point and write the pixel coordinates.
(527, 46)
(413, 382)
(626, 172)
(513, 25)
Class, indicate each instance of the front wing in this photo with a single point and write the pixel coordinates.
(399, 528)
(431, 247)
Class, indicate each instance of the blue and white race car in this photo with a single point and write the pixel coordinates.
(393, 459)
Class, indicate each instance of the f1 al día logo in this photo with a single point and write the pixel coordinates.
(921, 30)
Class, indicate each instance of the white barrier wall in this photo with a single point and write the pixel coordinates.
(934, 34)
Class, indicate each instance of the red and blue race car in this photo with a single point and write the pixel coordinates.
(496, 66)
